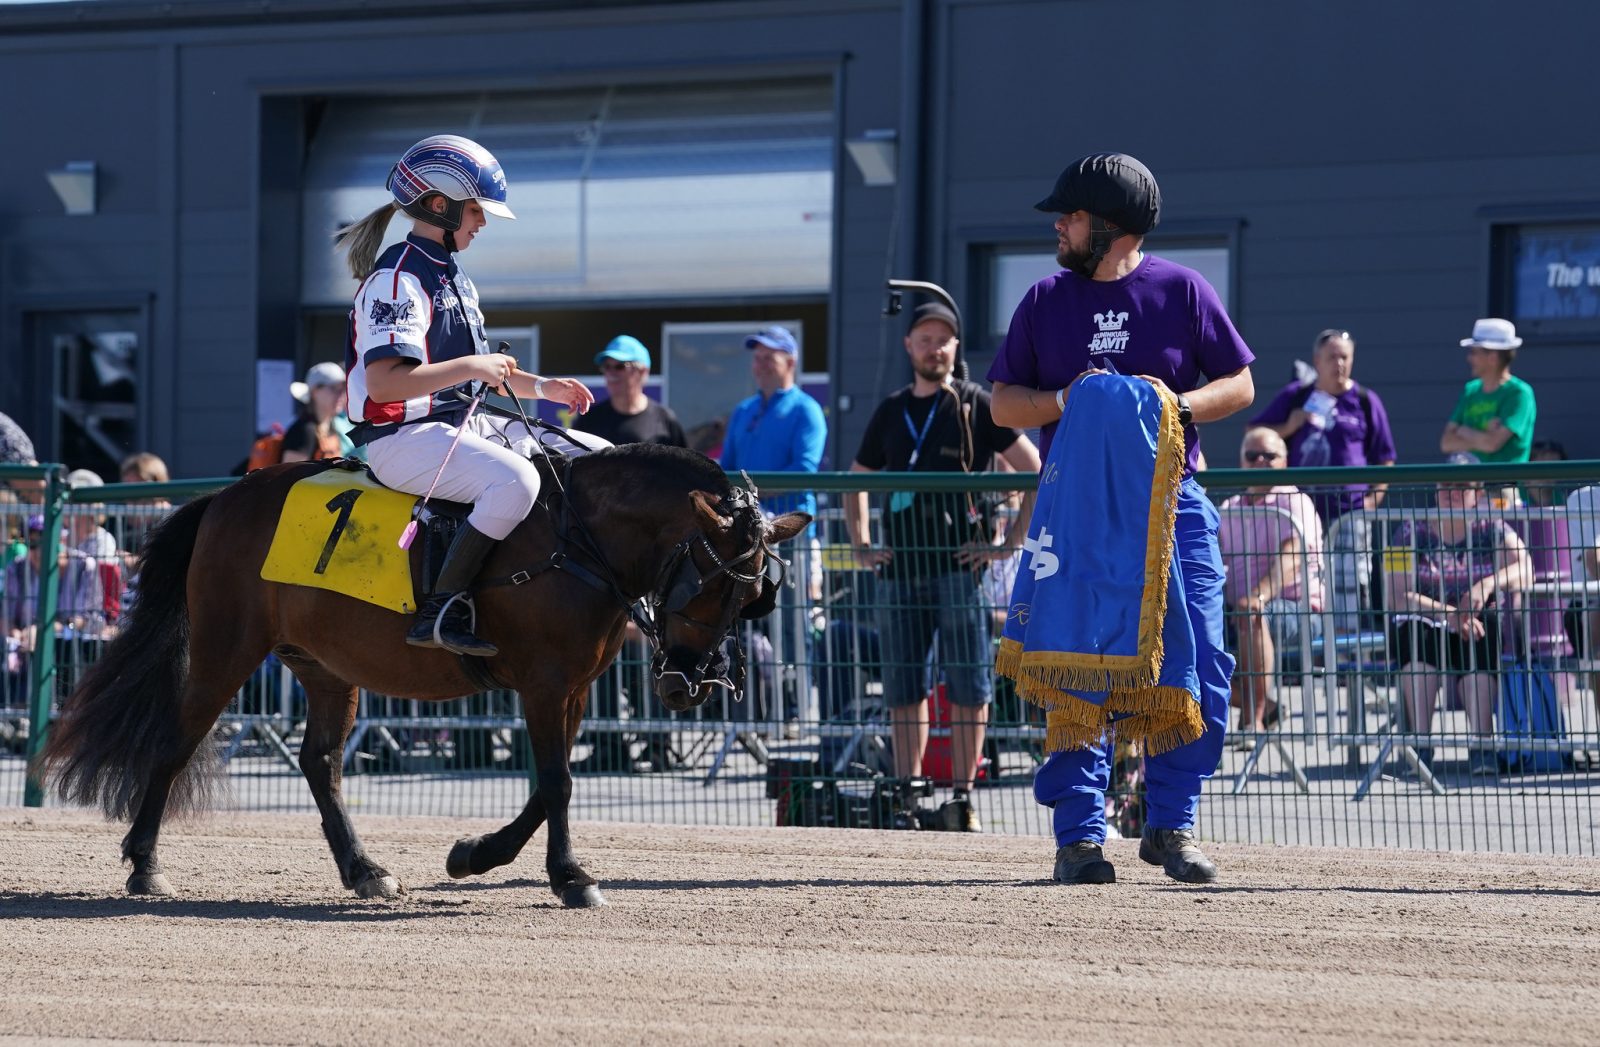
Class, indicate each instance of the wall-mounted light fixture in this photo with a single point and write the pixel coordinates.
(875, 156)
(75, 186)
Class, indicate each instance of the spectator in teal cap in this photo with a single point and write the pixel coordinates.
(627, 415)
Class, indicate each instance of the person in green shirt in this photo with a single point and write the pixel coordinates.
(1494, 417)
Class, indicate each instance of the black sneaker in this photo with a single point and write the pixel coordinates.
(1176, 852)
(1083, 862)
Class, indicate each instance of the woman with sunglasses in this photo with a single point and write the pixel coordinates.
(1271, 542)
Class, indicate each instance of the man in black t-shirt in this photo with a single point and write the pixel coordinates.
(934, 549)
(628, 416)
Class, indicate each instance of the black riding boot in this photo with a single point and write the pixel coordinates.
(435, 626)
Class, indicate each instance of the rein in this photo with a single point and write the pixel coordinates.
(677, 584)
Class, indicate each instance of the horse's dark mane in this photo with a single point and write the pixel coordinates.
(691, 468)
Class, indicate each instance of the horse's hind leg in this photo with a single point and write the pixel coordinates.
(214, 677)
(330, 713)
(476, 855)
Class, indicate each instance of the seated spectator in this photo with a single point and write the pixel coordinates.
(1333, 420)
(1445, 574)
(627, 415)
(313, 435)
(1274, 587)
(1544, 494)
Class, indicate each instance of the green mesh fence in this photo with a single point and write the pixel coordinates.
(1414, 669)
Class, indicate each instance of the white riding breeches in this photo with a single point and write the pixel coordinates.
(489, 467)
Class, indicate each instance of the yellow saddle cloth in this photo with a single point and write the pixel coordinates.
(340, 531)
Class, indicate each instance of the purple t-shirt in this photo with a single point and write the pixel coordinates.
(1162, 320)
(1350, 440)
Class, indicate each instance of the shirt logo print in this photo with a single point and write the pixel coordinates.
(1110, 338)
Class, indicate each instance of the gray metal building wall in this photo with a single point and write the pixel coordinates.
(1359, 149)
(1361, 146)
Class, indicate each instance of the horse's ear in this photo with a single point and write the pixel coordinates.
(787, 526)
(705, 510)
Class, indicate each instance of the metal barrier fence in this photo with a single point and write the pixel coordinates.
(1362, 720)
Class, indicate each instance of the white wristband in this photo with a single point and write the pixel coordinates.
(1061, 399)
(538, 388)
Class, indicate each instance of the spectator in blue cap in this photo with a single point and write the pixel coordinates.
(627, 415)
(780, 429)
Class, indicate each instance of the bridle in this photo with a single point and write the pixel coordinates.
(682, 580)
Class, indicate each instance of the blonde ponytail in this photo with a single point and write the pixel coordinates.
(362, 240)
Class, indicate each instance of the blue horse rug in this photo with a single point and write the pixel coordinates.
(1096, 631)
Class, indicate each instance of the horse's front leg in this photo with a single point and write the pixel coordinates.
(550, 731)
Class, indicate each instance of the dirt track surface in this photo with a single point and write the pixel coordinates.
(782, 936)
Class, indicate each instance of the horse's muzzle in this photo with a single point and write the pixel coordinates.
(683, 682)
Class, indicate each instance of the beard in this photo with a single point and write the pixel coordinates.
(935, 373)
(1074, 258)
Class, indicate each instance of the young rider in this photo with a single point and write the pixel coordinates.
(417, 351)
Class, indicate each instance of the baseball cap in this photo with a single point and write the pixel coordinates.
(934, 311)
(84, 478)
(321, 375)
(1493, 333)
(1113, 186)
(624, 349)
(779, 338)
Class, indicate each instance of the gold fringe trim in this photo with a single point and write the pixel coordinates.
(1157, 720)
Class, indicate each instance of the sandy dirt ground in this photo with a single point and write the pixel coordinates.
(777, 936)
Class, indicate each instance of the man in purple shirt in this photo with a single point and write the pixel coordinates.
(1115, 308)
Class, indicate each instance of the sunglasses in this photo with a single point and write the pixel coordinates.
(616, 366)
(1262, 456)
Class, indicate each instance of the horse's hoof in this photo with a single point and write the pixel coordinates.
(459, 864)
(384, 886)
(585, 896)
(154, 884)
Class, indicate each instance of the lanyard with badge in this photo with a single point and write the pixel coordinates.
(901, 500)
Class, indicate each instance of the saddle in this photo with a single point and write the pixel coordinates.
(340, 527)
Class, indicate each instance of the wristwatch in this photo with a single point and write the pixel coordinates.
(1185, 414)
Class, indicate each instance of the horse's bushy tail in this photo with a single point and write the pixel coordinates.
(121, 725)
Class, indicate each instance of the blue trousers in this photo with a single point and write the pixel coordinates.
(1074, 783)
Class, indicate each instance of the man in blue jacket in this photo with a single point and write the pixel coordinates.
(781, 429)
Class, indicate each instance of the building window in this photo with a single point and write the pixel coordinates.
(1547, 276)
